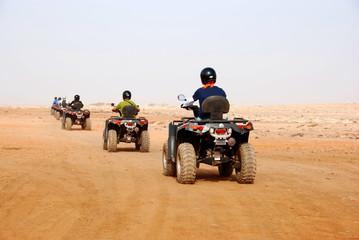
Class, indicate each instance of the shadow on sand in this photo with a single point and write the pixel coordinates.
(212, 175)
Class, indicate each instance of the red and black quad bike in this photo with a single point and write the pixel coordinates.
(127, 129)
(214, 141)
(76, 117)
(52, 110)
(59, 112)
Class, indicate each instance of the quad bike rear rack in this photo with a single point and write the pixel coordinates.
(193, 120)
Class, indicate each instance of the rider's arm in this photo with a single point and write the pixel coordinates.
(114, 109)
(134, 104)
(119, 106)
(189, 102)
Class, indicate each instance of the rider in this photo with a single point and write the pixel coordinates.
(54, 102)
(58, 102)
(126, 95)
(208, 77)
(76, 104)
(64, 104)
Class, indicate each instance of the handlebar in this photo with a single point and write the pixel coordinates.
(117, 110)
(194, 108)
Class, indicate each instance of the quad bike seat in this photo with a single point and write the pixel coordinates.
(215, 106)
(129, 111)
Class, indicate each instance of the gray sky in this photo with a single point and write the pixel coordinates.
(264, 52)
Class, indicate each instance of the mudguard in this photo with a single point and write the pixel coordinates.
(172, 132)
(105, 131)
(63, 117)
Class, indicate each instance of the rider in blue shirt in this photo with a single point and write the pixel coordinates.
(208, 77)
(54, 102)
(58, 102)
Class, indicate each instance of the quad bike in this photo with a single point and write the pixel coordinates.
(214, 141)
(128, 129)
(59, 112)
(76, 117)
(56, 110)
(52, 110)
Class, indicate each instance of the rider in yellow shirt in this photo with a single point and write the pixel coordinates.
(126, 95)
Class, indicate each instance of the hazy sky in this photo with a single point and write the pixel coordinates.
(264, 52)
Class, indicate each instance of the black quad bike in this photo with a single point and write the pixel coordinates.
(214, 141)
(76, 117)
(126, 129)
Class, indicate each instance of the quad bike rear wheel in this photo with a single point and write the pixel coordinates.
(169, 167)
(112, 140)
(225, 169)
(145, 142)
(68, 123)
(87, 124)
(186, 163)
(57, 115)
(246, 173)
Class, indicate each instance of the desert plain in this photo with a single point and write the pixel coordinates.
(58, 184)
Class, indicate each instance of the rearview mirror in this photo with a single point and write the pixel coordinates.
(112, 104)
(181, 97)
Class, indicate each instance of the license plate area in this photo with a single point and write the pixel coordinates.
(220, 142)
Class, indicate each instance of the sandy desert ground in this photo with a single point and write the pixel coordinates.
(58, 184)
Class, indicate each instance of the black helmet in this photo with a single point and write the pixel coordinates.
(77, 97)
(59, 98)
(207, 75)
(55, 98)
(126, 95)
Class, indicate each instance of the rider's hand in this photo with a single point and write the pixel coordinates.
(186, 107)
(114, 109)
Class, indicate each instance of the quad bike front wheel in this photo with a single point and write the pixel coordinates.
(112, 140)
(169, 167)
(52, 111)
(145, 142)
(186, 163)
(247, 167)
(68, 123)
